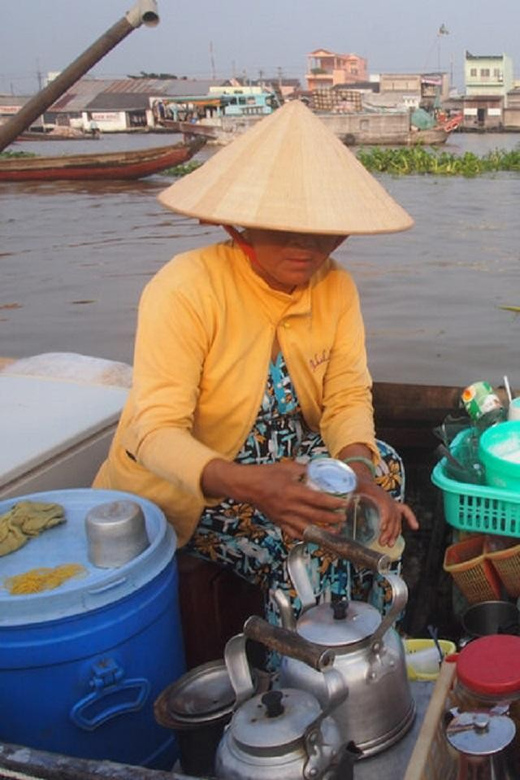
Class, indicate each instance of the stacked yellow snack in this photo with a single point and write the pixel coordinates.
(37, 580)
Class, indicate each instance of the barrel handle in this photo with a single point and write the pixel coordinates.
(107, 586)
(113, 696)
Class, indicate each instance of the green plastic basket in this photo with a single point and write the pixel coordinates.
(477, 508)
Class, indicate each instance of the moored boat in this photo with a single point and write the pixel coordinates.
(356, 129)
(111, 166)
(77, 135)
(433, 137)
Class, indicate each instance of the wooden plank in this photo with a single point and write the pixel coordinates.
(423, 759)
(23, 763)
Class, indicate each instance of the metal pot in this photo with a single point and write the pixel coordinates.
(197, 707)
(369, 654)
(282, 733)
(491, 617)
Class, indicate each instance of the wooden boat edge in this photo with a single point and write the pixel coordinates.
(88, 159)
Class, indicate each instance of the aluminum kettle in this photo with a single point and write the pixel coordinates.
(370, 656)
(283, 733)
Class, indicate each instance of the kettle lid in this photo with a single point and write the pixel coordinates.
(203, 694)
(480, 733)
(274, 719)
(339, 623)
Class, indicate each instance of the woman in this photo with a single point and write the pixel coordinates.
(250, 357)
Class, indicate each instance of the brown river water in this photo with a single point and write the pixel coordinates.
(74, 258)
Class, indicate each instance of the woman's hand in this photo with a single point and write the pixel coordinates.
(392, 513)
(278, 491)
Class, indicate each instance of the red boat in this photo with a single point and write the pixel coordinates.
(108, 166)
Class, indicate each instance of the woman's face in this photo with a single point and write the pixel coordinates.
(288, 260)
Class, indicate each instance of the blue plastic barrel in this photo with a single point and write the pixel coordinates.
(81, 665)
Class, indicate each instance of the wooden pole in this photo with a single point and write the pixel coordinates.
(143, 13)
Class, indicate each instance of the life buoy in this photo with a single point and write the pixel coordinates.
(452, 124)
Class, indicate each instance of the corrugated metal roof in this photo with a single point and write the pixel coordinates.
(80, 94)
(88, 86)
(185, 87)
(13, 100)
(163, 86)
(114, 101)
(126, 94)
(136, 86)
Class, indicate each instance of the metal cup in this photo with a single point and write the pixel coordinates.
(116, 533)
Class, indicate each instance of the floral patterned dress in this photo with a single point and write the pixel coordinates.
(240, 537)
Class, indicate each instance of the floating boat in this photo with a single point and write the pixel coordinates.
(214, 602)
(385, 130)
(434, 137)
(110, 166)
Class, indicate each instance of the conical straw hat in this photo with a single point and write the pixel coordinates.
(288, 172)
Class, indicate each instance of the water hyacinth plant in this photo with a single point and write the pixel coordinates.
(419, 160)
(15, 155)
(182, 170)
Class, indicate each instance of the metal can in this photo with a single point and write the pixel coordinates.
(331, 476)
(480, 399)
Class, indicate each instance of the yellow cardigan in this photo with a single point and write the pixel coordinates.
(205, 331)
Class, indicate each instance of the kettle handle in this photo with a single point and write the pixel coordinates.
(398, 603)
(279, 639)
(341, 547)
(238, 668)
(348, 549)
(361, 556)
(288, 643)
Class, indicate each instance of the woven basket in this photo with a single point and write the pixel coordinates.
(473, 573)
(507, 565)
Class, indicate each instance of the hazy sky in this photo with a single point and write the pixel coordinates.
(202, 38)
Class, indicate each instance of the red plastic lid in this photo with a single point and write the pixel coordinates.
(491, 665)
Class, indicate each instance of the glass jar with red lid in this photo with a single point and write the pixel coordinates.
(488, 676)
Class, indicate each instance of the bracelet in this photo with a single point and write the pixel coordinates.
(359, 459)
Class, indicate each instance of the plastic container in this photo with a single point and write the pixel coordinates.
(477, 508)
(81, 665)
(422, 657)
(499, 451)
(513, 412)
(473, 574)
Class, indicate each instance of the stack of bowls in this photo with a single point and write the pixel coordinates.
(499, 451)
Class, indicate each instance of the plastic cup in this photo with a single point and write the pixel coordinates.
(425, 661)
(513, 413)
